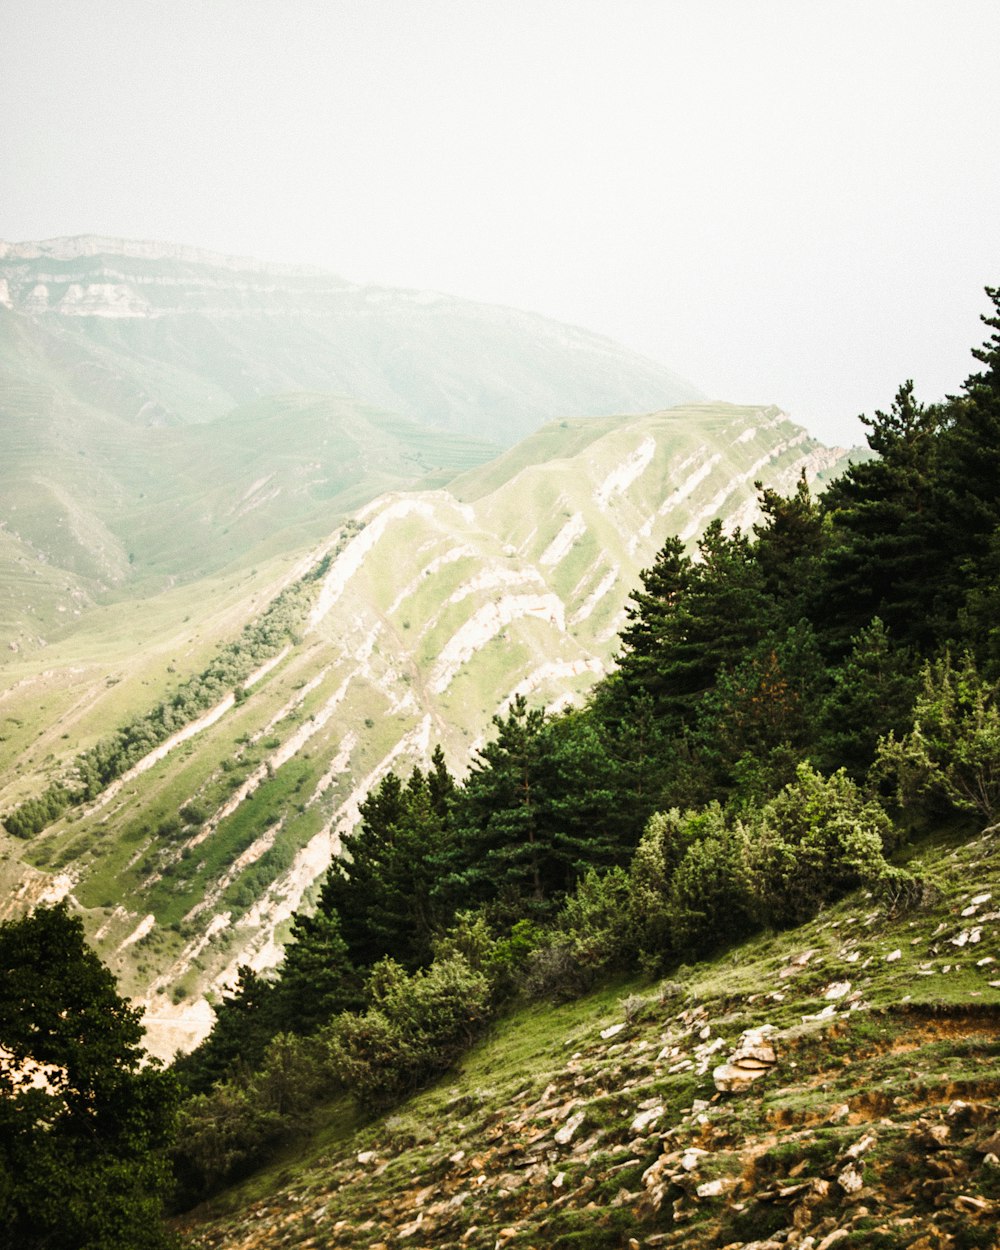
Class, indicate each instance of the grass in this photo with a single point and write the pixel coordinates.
(884, 1070)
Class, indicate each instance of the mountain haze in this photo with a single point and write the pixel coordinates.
(176, 334)
(165, 412)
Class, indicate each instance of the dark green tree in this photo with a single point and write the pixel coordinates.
(245, 1021)
(691, 619)
(885, 556)
(969, 470)
(317, 978)
(382, 888)
(84, 1121)
(871, 695)
(791, 539)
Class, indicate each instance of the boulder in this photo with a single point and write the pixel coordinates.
(753, 1058)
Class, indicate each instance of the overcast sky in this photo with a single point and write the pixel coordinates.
(787, 201)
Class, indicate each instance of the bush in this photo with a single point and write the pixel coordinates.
(416, 1027)
(225, 1133)
(951, 757)
(657, 916)
(709, 904)
(819, 838)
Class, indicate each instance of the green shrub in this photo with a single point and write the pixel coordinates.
(709, 902)
(416, 1027)
(951, 756)
(819, 838)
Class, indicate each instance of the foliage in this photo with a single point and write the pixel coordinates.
(382, 888)
(109, 758)
(83, 1121)
(713, 783)
(227, 1131)
(817, 839)
(416, 1026)
(951, 756)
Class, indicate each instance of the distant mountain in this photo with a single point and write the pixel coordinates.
(431, 609)
(161, 334)
(166, 412)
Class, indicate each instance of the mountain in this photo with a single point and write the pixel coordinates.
(164, 335)
(166, 412)
(410, 624)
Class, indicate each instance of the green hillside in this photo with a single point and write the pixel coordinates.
(432, 613)
(166, 413)
(597, 1123)
(767, 839)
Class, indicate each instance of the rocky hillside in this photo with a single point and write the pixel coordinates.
(834, 1085)
(416, 621)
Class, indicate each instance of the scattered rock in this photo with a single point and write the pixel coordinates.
(566, 1134)
(753, 1058)
(860, 1147)
(831, 1239)
(716, 1188)
(825, 1014)
(850, 1179)
(611, 1031)
(795, 966)
(645, 1119)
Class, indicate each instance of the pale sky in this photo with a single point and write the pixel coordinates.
(785, 201)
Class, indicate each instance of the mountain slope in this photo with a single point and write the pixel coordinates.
(165, 412)
(167, 334)
(833, 1084)
(432, 610)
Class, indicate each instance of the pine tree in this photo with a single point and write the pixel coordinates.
(82, 1154)
(885, 554)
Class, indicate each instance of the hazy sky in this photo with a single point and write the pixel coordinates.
(786, 201)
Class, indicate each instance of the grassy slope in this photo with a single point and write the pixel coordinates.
(902, 1068)
(451, 607)
(97, 503)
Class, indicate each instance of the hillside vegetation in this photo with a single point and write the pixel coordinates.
(166, 413)
(754, 870)
(412, 624)
(869, 1108)
(767, 744)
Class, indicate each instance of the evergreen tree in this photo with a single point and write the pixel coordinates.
(885, 557)
(382, 888)
(969, 473)
(245, 1021)
(318, 979)
(791, 540)
(871, 695)
(500, 848)
(693, 618)
(82, 1150)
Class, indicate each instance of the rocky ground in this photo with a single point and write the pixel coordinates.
(834, 1086)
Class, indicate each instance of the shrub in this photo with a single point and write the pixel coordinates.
(819, 838)
(415, 1028)
(654, 914)
(951, 756)
(709, 902)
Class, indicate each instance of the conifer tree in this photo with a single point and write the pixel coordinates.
(82, 1150)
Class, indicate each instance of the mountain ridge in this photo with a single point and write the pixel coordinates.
(434, 612)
